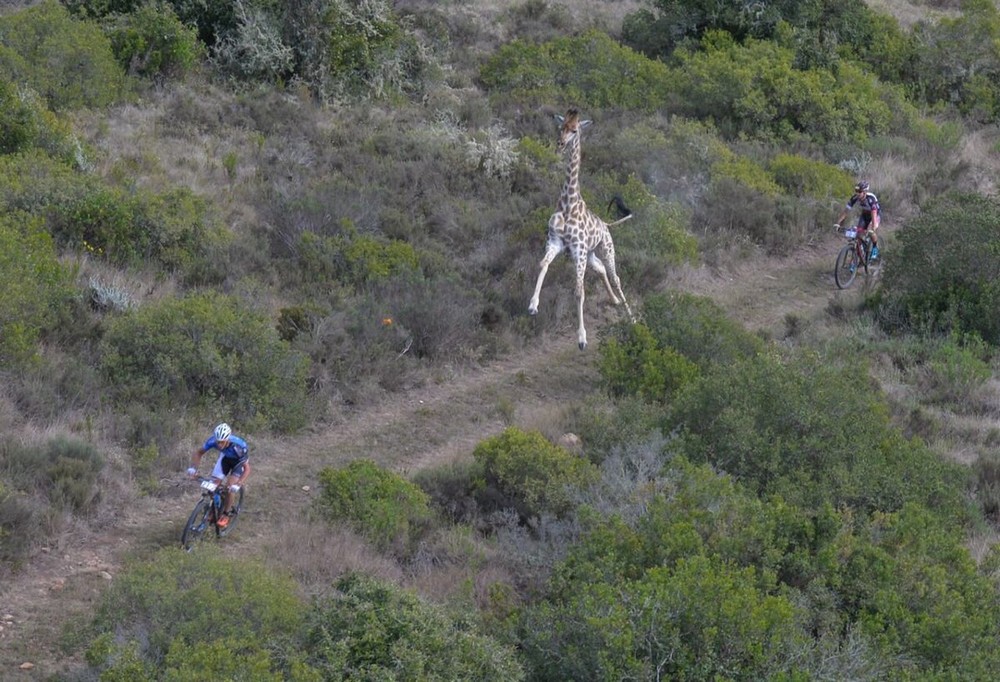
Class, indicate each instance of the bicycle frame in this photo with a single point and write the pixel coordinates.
(853, 255)
(208, 511)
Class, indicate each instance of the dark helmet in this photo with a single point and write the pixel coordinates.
(861, 187)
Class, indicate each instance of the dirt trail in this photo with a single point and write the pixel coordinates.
(433, 424)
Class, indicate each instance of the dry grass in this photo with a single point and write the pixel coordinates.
(317, 554)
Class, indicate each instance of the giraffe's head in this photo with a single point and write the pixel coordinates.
(569, 129)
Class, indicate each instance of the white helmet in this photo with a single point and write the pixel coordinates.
(222, 431)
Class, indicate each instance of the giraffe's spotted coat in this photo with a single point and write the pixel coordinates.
(574, 227)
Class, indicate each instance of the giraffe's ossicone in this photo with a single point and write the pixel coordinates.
(575, 228)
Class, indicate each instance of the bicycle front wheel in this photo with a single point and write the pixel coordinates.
(846, 268)
(197, 524)
(234, 514)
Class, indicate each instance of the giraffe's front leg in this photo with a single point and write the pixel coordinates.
(553, 249)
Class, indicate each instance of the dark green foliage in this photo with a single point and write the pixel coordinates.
(958, 60)
(209, 350)
(700, 618)
(523, 470)
(371, 630)
(589, 68)
(152, 42)
(815, 434)
(698, 329)
(634, 363)
(822, 32)
(810, 179)
(160, 619)
(946, 276)
(353, 259)
(756, 89)
(26, 123)
(35, 285)
(68, 61)
(384, 507)
(124, 226)
(782, 589)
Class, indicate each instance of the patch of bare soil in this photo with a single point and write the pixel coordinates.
(434, 424)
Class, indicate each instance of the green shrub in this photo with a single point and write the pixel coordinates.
(26, 123)
(34, 283)
(633, 363)
(755, 89)
(68, 61)
(209, 350)
(958, 60)
(349, 49)
(164, 615)
(372, 630)
(62, 470)
(811, 179)
(946, 276)
(129, 228)
(522, 469)
(785, 428)
(699, 329)
(354, 259)
(152, 42)
(384, 507)
(956, 374)
(585, 68)
(723, 623)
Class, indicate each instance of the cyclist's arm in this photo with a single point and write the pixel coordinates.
(243, 476)
(196, 459)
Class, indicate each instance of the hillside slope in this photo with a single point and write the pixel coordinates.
(421, 427)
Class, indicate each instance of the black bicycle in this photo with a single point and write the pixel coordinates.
(208, 511)
(855, 255)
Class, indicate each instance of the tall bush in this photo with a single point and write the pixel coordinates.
(384, 507)
(523, 470)
(35, 286)
(947, 276)
(152, 42)
(590, 68)
(210, 350)
(372, 630)
(69, 61)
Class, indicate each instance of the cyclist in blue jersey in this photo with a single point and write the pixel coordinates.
(870, 217)
(232, 465)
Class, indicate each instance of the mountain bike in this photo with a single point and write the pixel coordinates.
(855, 255)
(208, 511)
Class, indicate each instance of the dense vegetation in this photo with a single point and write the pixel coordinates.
(336, 198)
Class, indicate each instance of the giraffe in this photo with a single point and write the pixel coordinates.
(573, 226)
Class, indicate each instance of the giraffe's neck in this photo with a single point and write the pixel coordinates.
(570, 197)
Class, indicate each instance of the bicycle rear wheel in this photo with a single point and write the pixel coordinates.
(234, 514)
(846, 268)
(197, 524)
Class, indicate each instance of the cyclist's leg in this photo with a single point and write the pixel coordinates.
(233, 470)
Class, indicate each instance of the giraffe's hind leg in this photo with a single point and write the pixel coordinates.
(598, 266)
(612, 273)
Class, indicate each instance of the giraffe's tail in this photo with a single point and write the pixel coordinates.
(620, 220)
(624, 211)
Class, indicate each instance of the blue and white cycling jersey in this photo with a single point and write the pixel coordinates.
(237, 448)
